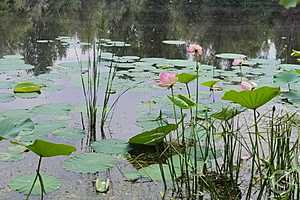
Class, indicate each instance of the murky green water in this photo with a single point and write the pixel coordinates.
(46, 39)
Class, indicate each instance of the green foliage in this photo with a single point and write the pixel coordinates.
(289, 3)
(153, 137)
(186, 77)
(182, 101)
(226, 114)
(252, 99)
(210, 84)
(295, 53)
(49, 149)
(23, 184)
(27, 87)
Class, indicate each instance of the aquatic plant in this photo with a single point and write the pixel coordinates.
(45, 149)
(9, 130)
(90, 92)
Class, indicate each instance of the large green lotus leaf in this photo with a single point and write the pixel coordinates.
(6, 97)
(287, 77)
(182, 101)
(230, 56)
(153, 137)
(111, 146)
(252, 99)
(154, 173)
(90, 162)
(226, 114)
(186, 77)
(49, 149)
(69, 133)
(289, 3)
(210, 84)
(23, 184)
(10, 128)
(27, 87)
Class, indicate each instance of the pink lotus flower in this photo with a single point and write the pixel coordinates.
(167, 79)
(248, 85)
(237, 62)
(195, 50)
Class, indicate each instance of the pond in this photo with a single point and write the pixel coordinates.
(104, 59)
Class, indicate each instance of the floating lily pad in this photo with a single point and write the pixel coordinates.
(6, 85)
(6, 97)
(44, 41)
(52, 109)
(69, 133)
(293, 96)
(154, 173)
(27, 87)
(27, 95)
(111, 146)
(288, 67)
(23, 184)
(90, 162)
(10, 128)
(13, 63)
(287, 77)
(13, 153)
(230, 56)
(6, 156)
(174, 42)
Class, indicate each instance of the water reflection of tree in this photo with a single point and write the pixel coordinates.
(42, 55)
(146, 23)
